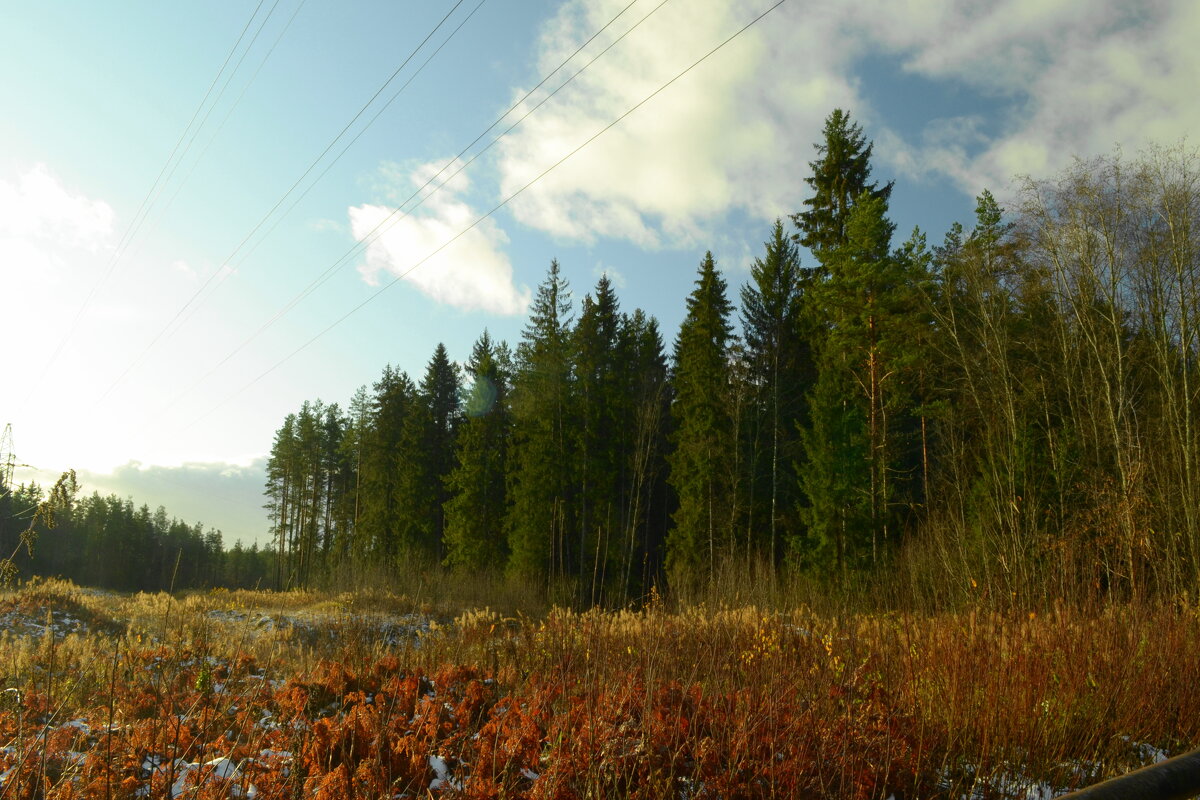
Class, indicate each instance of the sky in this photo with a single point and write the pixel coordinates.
(212, 212)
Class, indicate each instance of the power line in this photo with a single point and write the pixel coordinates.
(279, 219)
(217, 101)
(135, 223)
(485, 216)
(233, 107)
(178, 314)
(396, 216)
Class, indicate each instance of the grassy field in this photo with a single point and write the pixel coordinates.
(295, 695)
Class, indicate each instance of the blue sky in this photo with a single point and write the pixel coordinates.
(102, 110)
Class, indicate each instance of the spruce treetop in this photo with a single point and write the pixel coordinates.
(840, 176)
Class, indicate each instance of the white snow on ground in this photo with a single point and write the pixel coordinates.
(23, 623)
(442, 771)
(1016, 787)
(189, 775)
(1148, 753)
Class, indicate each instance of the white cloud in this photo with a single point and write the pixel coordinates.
(1074, 79)
(44, 227)
(1066, 78)
(714, 140)
(38, 207)
(471, 273)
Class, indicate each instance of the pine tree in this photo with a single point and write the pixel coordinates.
(353, 547)
(541, 522)
(872, 304)
(339, 482)
(280, 491)
(700, 463)
(847, 484)
(477, 504)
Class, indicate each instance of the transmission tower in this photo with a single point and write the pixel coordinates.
(8, 460)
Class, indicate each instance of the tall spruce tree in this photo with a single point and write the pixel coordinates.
(644, 423)
(478, 497)
(700, 463)
(780, 373)
(541, 522)
(840, 176)
(441, 394)
(845, 506)
(392, 480)
(845, 483)
(599, 443)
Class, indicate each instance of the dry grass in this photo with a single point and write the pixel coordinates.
(309, 698)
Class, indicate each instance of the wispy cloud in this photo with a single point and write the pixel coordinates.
(473, 273)
(614, 275)
(53, 239)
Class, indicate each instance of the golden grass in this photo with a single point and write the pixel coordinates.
(746, 700)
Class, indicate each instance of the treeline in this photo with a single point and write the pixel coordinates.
(107, 542)
(1013, 412)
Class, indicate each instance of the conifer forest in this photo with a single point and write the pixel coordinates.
(1012, 413)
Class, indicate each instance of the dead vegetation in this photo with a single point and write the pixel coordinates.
(241, 694)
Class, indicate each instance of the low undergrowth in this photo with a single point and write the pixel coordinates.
(288, 696)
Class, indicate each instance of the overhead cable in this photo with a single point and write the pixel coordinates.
(396, 216)
(135, 223)
(212, 276)
(488, 214)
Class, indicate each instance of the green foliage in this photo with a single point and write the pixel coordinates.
(541, 521)
(600, 400)
(703, 433)
(863, 446)
(441, 394)
(42, 512)
(478, 500)
(779, 371)
(642, 426)
(840, 176)
(109, 542)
